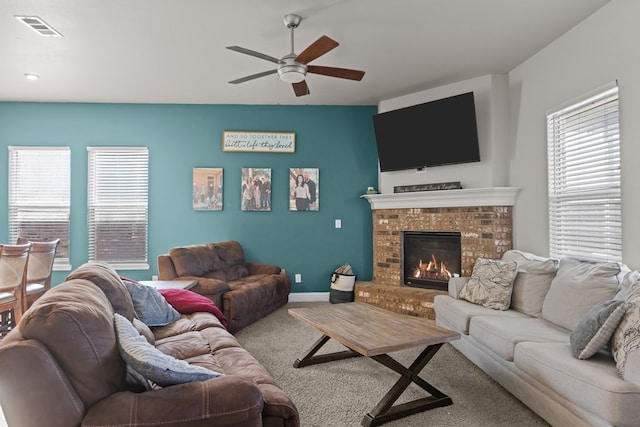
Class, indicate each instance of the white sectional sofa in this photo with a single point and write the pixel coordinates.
(527, 348)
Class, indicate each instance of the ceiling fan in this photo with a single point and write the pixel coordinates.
(293, 68)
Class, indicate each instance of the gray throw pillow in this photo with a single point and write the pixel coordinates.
(594, 331)
(491, 284)
(577, 287)
(150, 306)
(151, 363)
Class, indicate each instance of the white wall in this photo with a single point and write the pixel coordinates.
(491, 98)
(603, 48)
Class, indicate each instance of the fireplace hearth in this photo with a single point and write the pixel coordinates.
(430, 259)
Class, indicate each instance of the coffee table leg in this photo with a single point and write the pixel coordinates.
(311, 359)
(385, 411)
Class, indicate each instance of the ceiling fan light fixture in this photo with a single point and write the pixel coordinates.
(291, 71)
(290, 74)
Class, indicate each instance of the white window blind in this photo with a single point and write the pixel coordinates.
(40, 197)
(584, 179)
(118, 206)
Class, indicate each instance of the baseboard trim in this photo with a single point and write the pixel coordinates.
(308, 296)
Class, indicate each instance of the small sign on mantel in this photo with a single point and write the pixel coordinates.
(427, 187)
(258, 142)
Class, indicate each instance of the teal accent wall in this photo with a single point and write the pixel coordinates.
(339, 140)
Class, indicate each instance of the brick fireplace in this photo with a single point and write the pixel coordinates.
(482, 216)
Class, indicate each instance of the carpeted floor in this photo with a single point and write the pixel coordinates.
(340, 393)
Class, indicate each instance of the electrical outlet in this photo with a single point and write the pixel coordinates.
(154, 278)
(338, 223)
(298, 278)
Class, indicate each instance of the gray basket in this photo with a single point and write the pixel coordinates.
(337, 297)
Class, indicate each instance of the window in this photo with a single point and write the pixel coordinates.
(118, 208)
(39, 197)
(584, 179)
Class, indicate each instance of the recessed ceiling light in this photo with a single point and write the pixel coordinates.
(38, 25)
(31, 76)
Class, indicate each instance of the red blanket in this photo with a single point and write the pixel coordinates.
(185, 301)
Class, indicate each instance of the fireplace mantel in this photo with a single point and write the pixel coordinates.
(493, 196)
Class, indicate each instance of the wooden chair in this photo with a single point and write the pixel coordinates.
(13, 275)
(39, 270)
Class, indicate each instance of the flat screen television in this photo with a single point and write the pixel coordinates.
(435, 133)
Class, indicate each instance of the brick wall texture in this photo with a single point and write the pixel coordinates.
(485, 232)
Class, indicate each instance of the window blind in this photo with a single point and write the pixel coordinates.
(584, 179)
(118, 206)
(40, 197)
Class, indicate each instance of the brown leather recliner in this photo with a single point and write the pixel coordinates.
(61, 367)
(246, 291)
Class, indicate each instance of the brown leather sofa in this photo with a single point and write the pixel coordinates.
(246, 291)
(61, 366)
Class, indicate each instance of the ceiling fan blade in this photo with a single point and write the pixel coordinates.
(254, 53)
(301, 88)
(343, 73)
(316, 49)
(253, 76)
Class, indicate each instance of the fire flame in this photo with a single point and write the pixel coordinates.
(432, 270)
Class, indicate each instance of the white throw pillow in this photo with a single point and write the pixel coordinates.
(491, 284)
(625, 343)
(626, 338)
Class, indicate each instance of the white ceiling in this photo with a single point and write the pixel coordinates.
(172, 51)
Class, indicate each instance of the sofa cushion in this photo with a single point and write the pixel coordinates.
(150, 362)
(456, 314)
(591, 384)
(232, 260)
(222, 261)
(150, 306)
(74, 321)
(576, 288)
(253, 297)
(595, 330)
(491, 283)
(630, 282)
(145, 331)
(107, 279)
(502, 336)
(195, 260)
(532, 281)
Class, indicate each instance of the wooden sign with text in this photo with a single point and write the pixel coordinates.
(258, 142)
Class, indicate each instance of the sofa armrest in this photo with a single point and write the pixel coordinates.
(35, 390)
(259, 268)
(455, 284)
(166, 269)
(229, 400)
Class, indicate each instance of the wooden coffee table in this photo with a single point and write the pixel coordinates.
(373, 332)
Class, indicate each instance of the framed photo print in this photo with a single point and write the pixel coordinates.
(256, 189)
(304, 189)
(207, 189)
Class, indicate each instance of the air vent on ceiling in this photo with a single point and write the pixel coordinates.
(38, 25)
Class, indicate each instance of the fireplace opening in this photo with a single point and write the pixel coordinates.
(430, 258)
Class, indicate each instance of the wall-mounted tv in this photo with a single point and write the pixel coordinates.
(435, 133)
